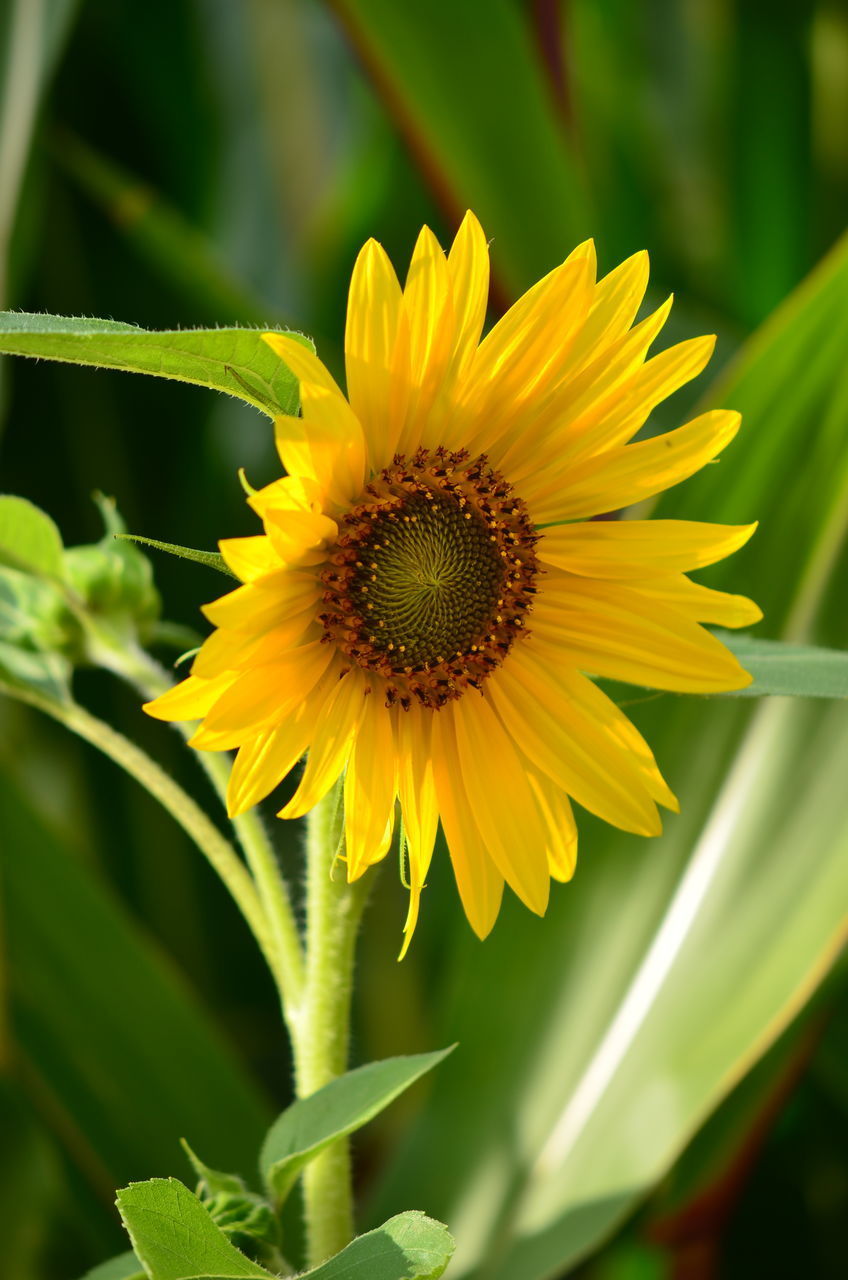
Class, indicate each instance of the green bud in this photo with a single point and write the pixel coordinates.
(113, 581)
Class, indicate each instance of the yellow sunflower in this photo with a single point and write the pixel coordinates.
(431, 595)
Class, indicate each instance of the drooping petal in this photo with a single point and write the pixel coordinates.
(501, 800)
(264, 761)
(569, 746)
(370, 790)
(560, 826)
(331, 743)
(639, 548)
(479, 882)
(417, 792)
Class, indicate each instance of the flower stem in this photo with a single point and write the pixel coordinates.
(322, 1033)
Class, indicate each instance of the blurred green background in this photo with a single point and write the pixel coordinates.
(191, 162)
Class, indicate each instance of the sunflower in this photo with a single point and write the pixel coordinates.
(430, 594)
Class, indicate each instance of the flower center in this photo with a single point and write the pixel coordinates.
(430, 581)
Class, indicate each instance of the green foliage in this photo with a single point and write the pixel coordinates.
(247, 1218)
(125, 1267)
(97, 1085)
(113, 581)
(236, 361)
(407, 1247)
(29, 539)
(177, 1239)
(799, 670)
(310, 1125)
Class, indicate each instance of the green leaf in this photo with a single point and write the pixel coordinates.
(29, 539)
(344, 1105)
(174, 1236)
(795, 670)
(234, 360)
(212, 559)
(125, 1267)
(410, 1246)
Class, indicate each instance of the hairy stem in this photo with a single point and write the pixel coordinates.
(322, 1035)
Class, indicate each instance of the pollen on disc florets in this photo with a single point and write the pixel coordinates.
(432, 577)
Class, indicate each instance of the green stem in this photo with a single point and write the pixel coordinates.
(218, 851)
(140, 670)
(322, 1032)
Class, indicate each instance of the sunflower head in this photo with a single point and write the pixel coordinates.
(430, 595)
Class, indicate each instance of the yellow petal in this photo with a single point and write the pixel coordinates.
(249, 558)
(578, 400)
(639, 548)
(326, 445)
(615, 302)
(619, 631)
(559, 821)
(371, 337)
(332, 739)
(302, 361)
(522, 356)
(416, 788)
(289, 493)
(479, 882)
(264, 761)
(702, 604)
(188, 700)
(370, 789)
(260, 606)
(631, 472)
(501, 800)
(468, 267)
(613, 723)
(570, 747)
(262, 697)
(300, 538)
(235, 650)
(428, 308)
(659, 378)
